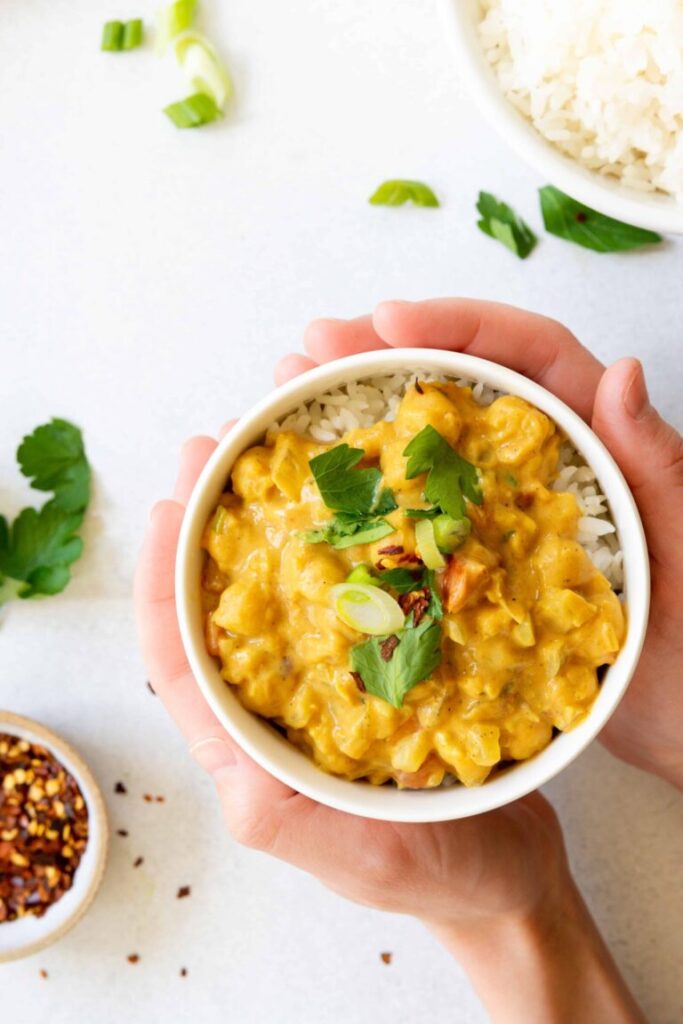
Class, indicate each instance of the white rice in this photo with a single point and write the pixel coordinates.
(600, 79)
(362, 403)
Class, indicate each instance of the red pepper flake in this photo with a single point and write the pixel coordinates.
(138, 861)
(133, 958)
(524, 500)
(43, 973)
(391, 549)
(358, 680)
(120, 788)
(183, 972)
(121, 832)
(151, 688)
(418, 387)
(388, 646)
(581, 217)
(183, 891)
(147, 797)
(160, 799)
(385, 958)
(417, 602)
(43, 828)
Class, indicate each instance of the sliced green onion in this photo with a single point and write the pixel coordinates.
(367, 608)
(426, 545)
(449, 533)
(363, 574)
(112, 36)
(202, 66)
(193, 111)
(175, 18)
(132, 34)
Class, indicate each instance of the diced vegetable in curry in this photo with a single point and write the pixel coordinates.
(410, 615)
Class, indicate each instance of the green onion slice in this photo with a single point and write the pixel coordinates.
(367, 608)
(202, 66)
(193, 111)
(363, 574)
(132, 34)
(174, 19)
(112, 36)
(426, 545)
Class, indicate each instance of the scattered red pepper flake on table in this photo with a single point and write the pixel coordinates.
(183, 891)
(183, 972)
(138, 861)
(385, 958)
(160, 799)
(43, 828)
(133, 958)
(121, 832)
(151, 689)
(43, 973)
(120, 788)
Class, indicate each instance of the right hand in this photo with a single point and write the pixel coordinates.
(647, 727)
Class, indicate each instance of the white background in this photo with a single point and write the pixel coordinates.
(149, 278)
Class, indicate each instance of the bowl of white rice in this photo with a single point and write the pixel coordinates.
(360, 390)
(589, 92)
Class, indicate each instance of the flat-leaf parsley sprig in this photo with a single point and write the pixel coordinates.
(39, 546)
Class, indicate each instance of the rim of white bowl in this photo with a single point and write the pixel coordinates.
(281, 758)
(28, 935)
(653, 210)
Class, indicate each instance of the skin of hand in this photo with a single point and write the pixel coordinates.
(495, 889)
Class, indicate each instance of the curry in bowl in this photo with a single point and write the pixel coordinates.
(420, 593)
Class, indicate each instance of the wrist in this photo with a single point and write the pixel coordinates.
(545, 964)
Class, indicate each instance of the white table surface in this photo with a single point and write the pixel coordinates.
(149, 280)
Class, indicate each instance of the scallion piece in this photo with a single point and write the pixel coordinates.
(112, 36)
(132, 34)
(202, 66)
(175, 18)
(193, 111)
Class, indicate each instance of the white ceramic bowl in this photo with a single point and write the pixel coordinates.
(648, 210)
(273, 751)
(29, 934)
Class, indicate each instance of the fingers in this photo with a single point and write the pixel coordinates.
(649, 452)
(193, 457)
(291, 366)
(325, 340)
(534, 345)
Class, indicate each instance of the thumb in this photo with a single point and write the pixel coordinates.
(648, 449)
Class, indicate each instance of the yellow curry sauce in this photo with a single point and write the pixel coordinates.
(528, 619)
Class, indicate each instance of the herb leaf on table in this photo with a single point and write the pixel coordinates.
(499, 221)
(398, 191)
(568, 219)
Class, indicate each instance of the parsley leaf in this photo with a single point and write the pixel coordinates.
(344, 488)
(423, 513)
(410, 661)
(571, 220)
(451, 478)
(355, 495)
(53, 458)
(344, 532)
(37, 549)
(499, 221)
(398, 191)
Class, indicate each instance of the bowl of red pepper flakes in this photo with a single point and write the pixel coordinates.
(53, 836)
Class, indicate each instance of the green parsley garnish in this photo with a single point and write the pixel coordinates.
(391, 666)
(356, 495)
(499, 221)
(37, 549)
(571, 220)
(398, 191)
(451, 478)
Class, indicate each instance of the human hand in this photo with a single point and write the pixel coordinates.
(647, 727)
(502, 864)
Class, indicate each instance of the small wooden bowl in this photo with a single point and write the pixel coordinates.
(30, 934)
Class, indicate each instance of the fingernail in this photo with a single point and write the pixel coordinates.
(214, 753)
(636, 399)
